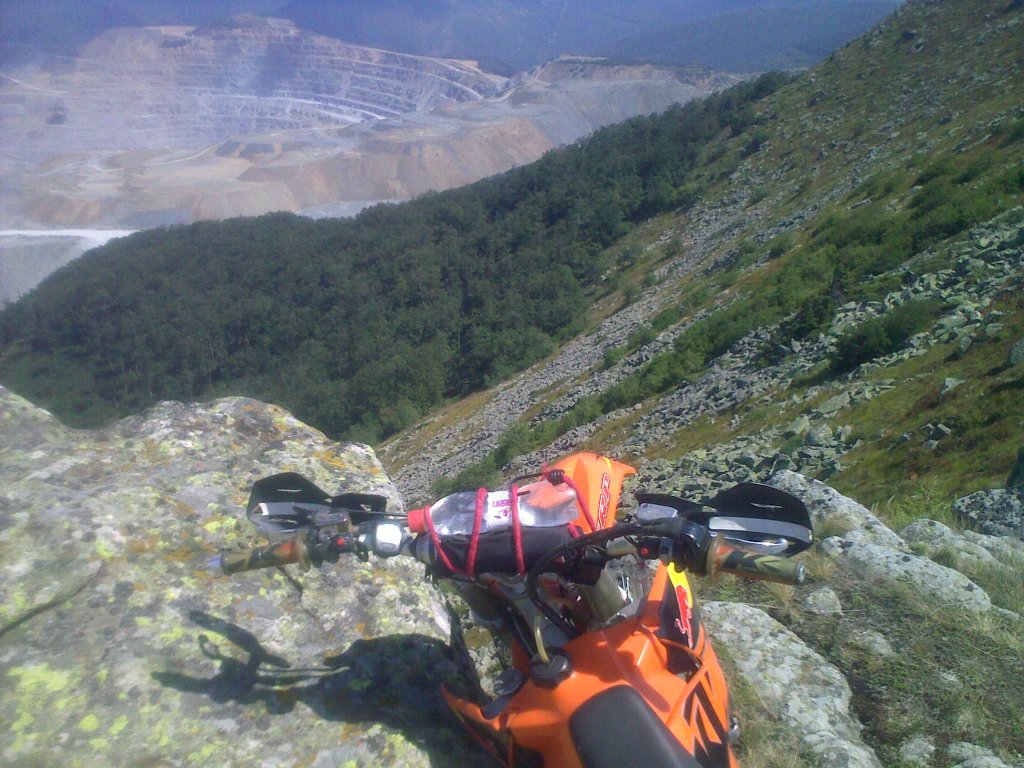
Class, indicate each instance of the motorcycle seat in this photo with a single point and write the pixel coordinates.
(617, 727)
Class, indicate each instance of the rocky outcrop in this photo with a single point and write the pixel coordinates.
(870, 550)
(806, 691)
(119, 646)
(118, 643)
(999, 512)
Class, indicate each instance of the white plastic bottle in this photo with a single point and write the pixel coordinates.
(540, 504)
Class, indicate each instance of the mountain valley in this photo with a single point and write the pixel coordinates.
(810, 280)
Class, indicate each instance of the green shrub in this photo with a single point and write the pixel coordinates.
(612, 356)
(814, 315)
(883, 335)
(780, 245)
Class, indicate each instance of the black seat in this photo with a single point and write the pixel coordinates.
(617, 728)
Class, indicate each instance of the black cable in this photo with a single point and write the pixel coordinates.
(597, 537)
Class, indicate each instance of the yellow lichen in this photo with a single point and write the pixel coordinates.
(175, 633)
(332, 459)
(104, 550)
(203, 754)
(39, 678)
(89, 723)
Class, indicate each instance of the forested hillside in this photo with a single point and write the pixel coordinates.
(359, 326)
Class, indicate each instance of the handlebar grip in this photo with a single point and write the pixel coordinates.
(732, 558)
(284, 553)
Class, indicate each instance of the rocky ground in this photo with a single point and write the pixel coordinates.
(120, 646)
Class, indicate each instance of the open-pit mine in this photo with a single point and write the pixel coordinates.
(159, 125)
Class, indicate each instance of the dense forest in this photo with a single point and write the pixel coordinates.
(358, 326)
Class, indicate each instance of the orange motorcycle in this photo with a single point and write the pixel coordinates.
(610, 662)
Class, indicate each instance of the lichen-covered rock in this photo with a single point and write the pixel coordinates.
(938, 584)
(806, 691)
(917, 751)
(119, 646)
(965, 755)
(870, 641)
(997, 512)
(1016, 356)
(1006, 549)
(823, 602)
(931, 537)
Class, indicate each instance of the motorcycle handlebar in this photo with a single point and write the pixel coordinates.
(715, 554)
(729, 557)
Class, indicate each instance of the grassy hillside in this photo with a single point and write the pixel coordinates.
(857, 176)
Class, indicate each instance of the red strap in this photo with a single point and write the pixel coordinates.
(581, 501)
(436, 541)
(474, 540)
(517, 530)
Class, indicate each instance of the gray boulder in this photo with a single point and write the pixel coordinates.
(936, 583)
(917, 751)
(931, 536)
(869, 641)
(1016, 356)
(997, 512)
(965, 755)
(806, 691)
(1006, 549)
(823, 602)
(119, 646)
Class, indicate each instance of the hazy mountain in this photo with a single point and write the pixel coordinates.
(755, 39)
(508, 35)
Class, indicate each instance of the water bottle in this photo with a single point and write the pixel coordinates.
(540, 503)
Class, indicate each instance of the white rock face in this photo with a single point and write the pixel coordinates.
(967, 755)
(934, 582)
(806, 690)
(932, 536)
